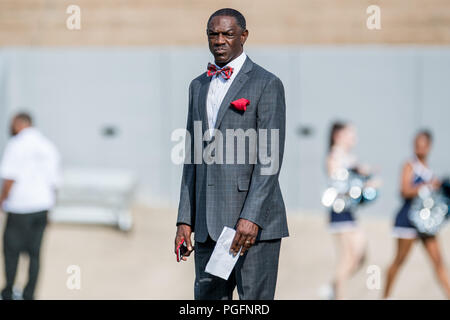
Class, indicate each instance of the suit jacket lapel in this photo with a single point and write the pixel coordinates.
(203, 95)
(235, 87)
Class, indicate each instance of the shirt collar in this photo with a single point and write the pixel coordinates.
(25, 131)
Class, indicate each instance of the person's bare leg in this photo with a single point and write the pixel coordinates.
(432, 247)
(403, 248)
(359, 243)
(345, 264)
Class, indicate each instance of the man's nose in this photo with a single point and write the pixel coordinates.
(220, 39)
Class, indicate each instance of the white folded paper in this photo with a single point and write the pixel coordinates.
(222, 262)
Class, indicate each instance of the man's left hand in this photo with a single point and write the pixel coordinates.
(246, 232)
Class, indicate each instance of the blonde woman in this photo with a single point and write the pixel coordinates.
(349, 238)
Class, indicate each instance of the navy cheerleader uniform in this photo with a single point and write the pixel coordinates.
(403, 228)
(342, 221)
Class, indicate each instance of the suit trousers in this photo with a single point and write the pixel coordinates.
(23, 233)
(255, 273)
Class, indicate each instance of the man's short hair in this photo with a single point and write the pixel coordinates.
(425, 133)
(230, 13)
(25, 117)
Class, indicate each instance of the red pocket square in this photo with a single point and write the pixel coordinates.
(240, 104)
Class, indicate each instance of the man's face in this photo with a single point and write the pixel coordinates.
(422, 146)
(14, 127)
(18, 125)
(225, 38)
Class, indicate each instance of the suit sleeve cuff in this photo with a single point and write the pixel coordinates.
(183, 222)
(256, 221)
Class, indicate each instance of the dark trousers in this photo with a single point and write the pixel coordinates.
(23, 233)
(255, 273)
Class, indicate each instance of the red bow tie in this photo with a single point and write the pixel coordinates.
(225, 72)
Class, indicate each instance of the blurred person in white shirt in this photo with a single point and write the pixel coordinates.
(30, 170)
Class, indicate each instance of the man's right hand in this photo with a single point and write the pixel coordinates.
(184, 232)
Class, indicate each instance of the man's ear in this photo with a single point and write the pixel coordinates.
(244, 36)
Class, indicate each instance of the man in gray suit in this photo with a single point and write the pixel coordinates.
(235, 98)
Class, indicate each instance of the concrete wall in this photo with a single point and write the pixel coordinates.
(75, 94)
(183, 22)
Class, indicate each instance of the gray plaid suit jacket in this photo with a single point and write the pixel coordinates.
(216, 195)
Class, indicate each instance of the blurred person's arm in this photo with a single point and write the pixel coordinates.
(6, 188)
(371, 173)
(408, 190)
(9, 170)
(56, 171)
(364, 170)
(332, 164)
(435, 184)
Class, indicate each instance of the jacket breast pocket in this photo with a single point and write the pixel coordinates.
(243, 183)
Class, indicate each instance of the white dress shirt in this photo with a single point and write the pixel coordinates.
(218, 88)
(32, 161)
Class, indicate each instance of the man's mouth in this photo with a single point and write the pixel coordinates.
(220, 51)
